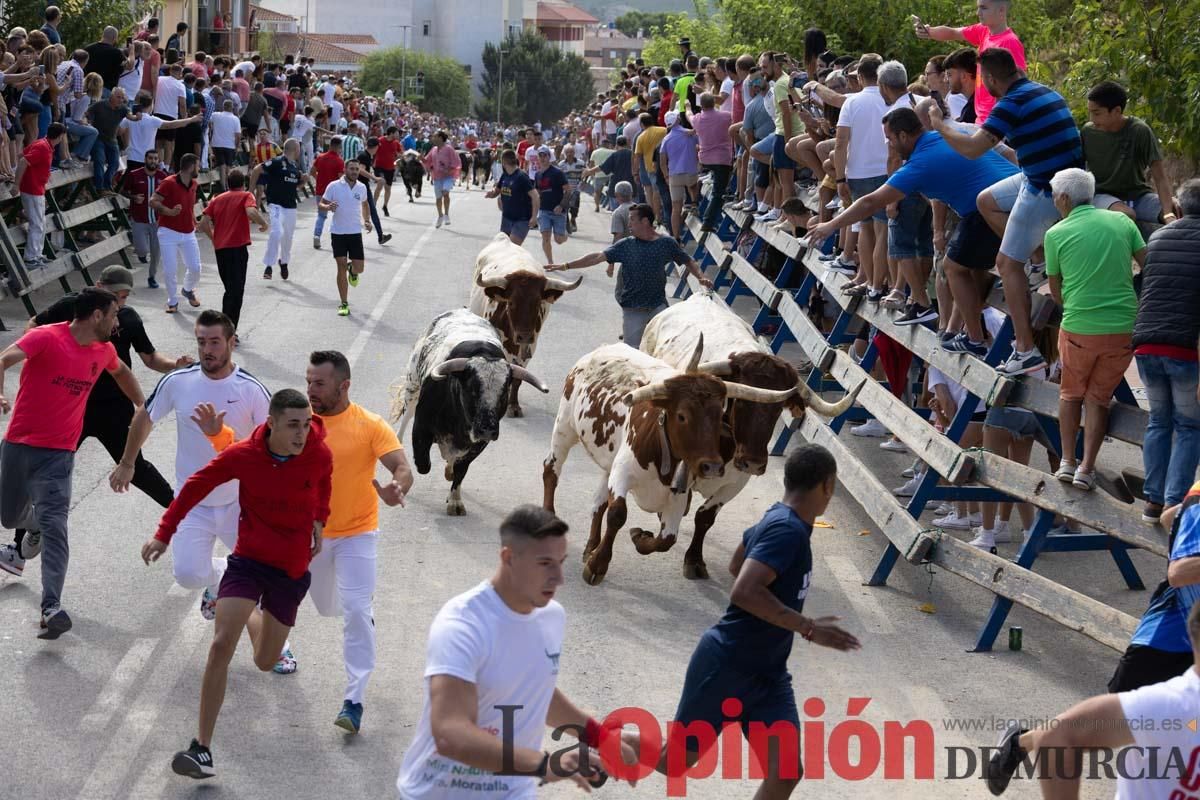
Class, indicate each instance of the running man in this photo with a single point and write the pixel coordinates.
(226, 220)
(518, 199)
(497, 646)
(174, 203)
(744, 656)
(347, 199)
(442, 161)
(282, 473)
(60, 364)
(326, 169)
(385, 165)
(283, 178)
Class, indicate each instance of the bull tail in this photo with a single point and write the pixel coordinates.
(398, 392)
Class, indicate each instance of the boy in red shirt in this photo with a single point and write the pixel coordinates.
(226, 221)
(33, 173)
(326, 169)
(285, 475)
(385, 165)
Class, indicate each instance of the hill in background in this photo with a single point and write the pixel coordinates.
(609, 10)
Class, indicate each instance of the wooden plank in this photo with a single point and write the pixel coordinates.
(785, 243)
(113, 244)
(85, 213)
(1125, 422)
(754, 280)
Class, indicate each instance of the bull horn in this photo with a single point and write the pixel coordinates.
(694, 362)
(653, 391)
(824, 407)
(562, 284)
(719, 368)
(740, 391)
(448, 366)
(494, 282)
(522, 374)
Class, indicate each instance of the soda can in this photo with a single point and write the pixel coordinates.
(1014, 638)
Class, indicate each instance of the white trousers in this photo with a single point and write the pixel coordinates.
(279, 240)
(194, 566)
(34, 206)
(343, 583)
(171, 244)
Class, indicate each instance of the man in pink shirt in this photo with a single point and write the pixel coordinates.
(992, 31)
(444, 165)
(716, 152)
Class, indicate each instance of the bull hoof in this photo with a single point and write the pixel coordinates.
(454, 509)
(643, 541)
(695, 571)
(591, 578)
(516, 411)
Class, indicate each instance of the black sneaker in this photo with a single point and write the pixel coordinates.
(195, 762)
(1004, 762)
(962, 344)
(1022, 363)
(283, 271)
(387, 237)
(267, 274)
(385, 211)
(55, 622)
(875, 295)
(914, 314)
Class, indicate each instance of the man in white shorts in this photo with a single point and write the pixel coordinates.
(236, 398)
(496, 647)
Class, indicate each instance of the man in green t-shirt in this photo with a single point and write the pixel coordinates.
(1123, 153)
(1089, 257)
(691, 64)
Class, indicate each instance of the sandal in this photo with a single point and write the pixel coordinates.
(856, 290)
(895, 299)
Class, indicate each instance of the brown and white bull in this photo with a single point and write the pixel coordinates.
(654, 430)
(513, 292)
(730, 349)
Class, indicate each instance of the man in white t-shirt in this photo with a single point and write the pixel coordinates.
(491, 669)
(143, 128)
(1151, 730)
(170, 103)
(226, 128)
(302, 129)
(335, 112)
(347, 199)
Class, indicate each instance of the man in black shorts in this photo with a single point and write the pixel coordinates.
(285, 474)
(383, 165)
(346, 198)
(370, 179)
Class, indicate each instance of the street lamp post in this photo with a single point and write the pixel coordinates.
(403, 59)
(500, 86)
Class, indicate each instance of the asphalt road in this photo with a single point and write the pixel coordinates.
(97, 714)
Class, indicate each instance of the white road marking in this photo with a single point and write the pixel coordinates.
(179, 591)
(108, 776)
(364, 335)
(861, 597)
(110, 697)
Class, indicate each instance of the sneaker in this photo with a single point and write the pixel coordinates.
(352, 277)
(946, 337)
(343, 309)
(954, 522)
(984, 541)
(1152, 512)
(30, 544)
(909, 488)
(843, 267)
(894, 445)
(151, 283)
(283, 271)
(195, 762)
(190, 296)
(286, 664)
(1066, 471)
(208, 604)
(385, 238)
(1005, 760)
(439, 222)
(873, 428)
(385, 210)
(1002, 535)
(827, 257)
(1036, 273)
(962, 344)
(943, 509)
(350, 717)
(875, 295)
(11, 560)
(915, 314)
(1022, 363)
(316, 243)
(267, 274)
(447, 219)
(144, 259)
(1084, 480)
(55, 623)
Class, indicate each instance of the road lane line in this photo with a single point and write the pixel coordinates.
(364, 335)
(860, 597)
(110, 697)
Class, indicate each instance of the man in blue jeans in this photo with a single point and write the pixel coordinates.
(554, 192)
(1165, 335)
(105, 116)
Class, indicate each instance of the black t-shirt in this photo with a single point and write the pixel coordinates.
(968, 112)
(550, 184)
(283, 181)
(515, 202)
(297, 79)
(252, 114)
(105, 60)
(367, 161)
(106, 119)
(619, 166)
(129, 335)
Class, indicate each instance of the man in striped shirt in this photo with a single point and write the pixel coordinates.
(1035, 121)
(352, 145)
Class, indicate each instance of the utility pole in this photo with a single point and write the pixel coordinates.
(403, 60)
(500, 85)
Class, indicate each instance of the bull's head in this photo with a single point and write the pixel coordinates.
(753, 423)
(480, 391)
(520, 296)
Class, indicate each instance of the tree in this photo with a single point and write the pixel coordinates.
(633, 21)
(82, 22)
(447, 88)
(268, 47)
(541, 82)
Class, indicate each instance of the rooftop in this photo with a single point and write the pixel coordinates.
(563, 13)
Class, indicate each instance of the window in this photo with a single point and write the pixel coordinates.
(425, 26)
(613, 55)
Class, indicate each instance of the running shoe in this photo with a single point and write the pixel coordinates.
(55, 623)
(1022, 363)
(286, 664)
(283, 271)
(1036, 274)
(894, 445)
(910, 487)
(955, 522)
(11, 560)
(208, 604)
(195, 762)
(385, 210)
(873, 428)
(385, 238)
(267, 274)
(151, 283)
(875, 295)
(350, 717)
(1005, 760)
(962, 344)
(190, 296)
(352, 277)
(1084, 480)
(343, 309)
(316, 243)
(447, 222)
(29, 543)
(843, 267)
(439, 222)
(915, 314)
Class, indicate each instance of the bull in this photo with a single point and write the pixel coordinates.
(456, 393)
(653, 429)
(731, 350)
(513, 292)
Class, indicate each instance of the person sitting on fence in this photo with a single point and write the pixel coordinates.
(1088, 260)
(1165, 333)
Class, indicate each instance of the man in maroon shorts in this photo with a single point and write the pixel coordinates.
(285, 474)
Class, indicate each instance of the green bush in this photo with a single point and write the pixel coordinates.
(82, 22)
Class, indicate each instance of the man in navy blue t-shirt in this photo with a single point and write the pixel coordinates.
(518, 198)
(555, 193)
(744, 656)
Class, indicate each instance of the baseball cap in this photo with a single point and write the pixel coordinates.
(545, 151)
(671, 118)
(117, 278)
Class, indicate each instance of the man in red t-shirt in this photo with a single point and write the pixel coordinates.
(33, 173)
(326, 169)
(226, 220)
(61, 363)
(385, 165)
(174, 202)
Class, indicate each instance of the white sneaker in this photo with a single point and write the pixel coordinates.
(984, 540)
(895, 445)
(771, 215)
(873, 428)
(909, 488)
(954, 522)
(763, 208)
(447, 219)
(943, 509)
(1002, 535)
(11, 561)
(976, 519)
(439, 222)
